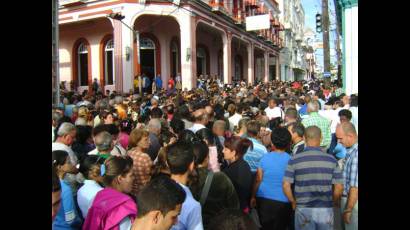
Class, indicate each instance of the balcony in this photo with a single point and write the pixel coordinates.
(238, 16)
(218, 7)
(253, 4)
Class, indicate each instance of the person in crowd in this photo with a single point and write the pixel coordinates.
(315, 119)
(219, 194)
(104, 145)
(238, 171)
(142, 163)
(291, 115)
(241, 130)
(236, 117)
(200, 120)
(254, 154)
(184, 114)
(117, 150)
(347, 136)
(112, 208)
(154, 129)
(55, 117)
(297, 130)
(126, 126)
(177, 126)
(274, 208)
(273, 110)
(159, 205)
(106, 117)
(180, 160)
(232, 219)
(313, 197)
(218, 130)
(55, 193)
(83, 142)
(207, 136)
(303, 110)
(90, 167)
(67, 216)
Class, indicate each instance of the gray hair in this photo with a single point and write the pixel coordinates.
(118, 100)
(313, 106)
(65, 129)
(111, 102)
(80, 121)
(154, 101)
(103, 141)
(56, 116)
(154, 124)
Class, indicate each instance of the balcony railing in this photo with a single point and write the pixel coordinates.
(238, 15)
(252, 3)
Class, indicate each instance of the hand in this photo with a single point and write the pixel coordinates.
(253, 202)
(293, 205)
(347, 216)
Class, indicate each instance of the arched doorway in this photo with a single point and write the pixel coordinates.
(81, 65)
(202, 60)
(238, 74)
(109, 63)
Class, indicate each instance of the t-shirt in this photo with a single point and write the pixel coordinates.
(67, 216)
(273, 166)
(86, 195)
(275, 112)
(255, 154)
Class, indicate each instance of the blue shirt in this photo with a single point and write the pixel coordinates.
(86, 195)
(254, 155)
(351, 169)
(273, 166)
(303, 110)
(67, 217)
(158, 82)
(69, 110)
(191, 216)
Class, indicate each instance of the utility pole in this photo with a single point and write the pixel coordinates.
(338, 51)
(326, 48)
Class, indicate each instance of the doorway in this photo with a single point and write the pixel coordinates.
(147, 53)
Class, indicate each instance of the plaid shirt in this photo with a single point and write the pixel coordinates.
(142, 166)
(315, 119)
(338, 91)
(351, 169)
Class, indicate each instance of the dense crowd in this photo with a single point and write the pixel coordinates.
(276, 155)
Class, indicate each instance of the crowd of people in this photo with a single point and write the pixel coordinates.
(276, 155)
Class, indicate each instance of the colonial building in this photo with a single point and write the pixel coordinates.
(309, 51)
(190, 38)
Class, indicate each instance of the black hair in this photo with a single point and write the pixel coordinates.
(188, 137)
(177, 125)
(354, 100)
(281, 138)
(201, 151)
(111, 128)
(232, 219)
(88, 162)
(83, 133)
(59, 157)
(162, 194)
(346, 113)
(275, 123)
(126, 126)
(206, 135)
(298, 128)
(55, 181)
(219, 112)
(156, 113)
(183, 112)
(179, 157)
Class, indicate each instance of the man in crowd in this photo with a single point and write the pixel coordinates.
(297, 130)
(201, 120)
(318, 182)
(254, 155)
(347, 136)
(303, 111)
(154, 128)
(234, 119)
(315, 119)
(291, 116)
(273, 111)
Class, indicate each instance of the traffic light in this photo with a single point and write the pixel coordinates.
(318, 23)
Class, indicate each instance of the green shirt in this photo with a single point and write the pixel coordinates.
(104, 156)
(315, 119)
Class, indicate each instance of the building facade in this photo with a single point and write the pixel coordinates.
(347, 11)
(293, 66)
(166, 38)
(309, 51)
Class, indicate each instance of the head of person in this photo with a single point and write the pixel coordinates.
(235, 147)
(307, 99)
(62, 163)
(312, 106)
(183, 112)
(210, 111)
(177, 126)
(201, 151)
(291, 115)
(126, 126)
(160, 203)
(83, 112)
(55, 193)
(253, 128)
(346, 134)
(156, 113)
(104, 142)
(231, 109)
(154, 102)
(242, 124)
(154, 126)
(180, 158)
(232, 219)
(66, 133)
(272, 103)
(297, 131)
(84, 134)
(313, 136)
(206, 135)
(56, 116)
(345, 115)
(139, 138)
(118, 174)
(218, 128)
(80, 121)
(90, 168)
(188, 137)
(106, 117)
(281, 138)
(201, 117)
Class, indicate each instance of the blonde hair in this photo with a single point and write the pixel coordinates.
(136, 136)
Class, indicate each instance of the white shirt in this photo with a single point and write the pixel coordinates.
(275, 112)
(234, 120)
(74, 161)
(355, 117)
(86, 195)
(196, 127)
(333, 116)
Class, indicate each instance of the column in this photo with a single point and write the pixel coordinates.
(188, 51)
(227, 58)
(118, 73)
(251, 60)
(266, 58)
(278, 67)
(127, 51)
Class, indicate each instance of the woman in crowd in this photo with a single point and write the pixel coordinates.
(238, 170)
(241, 131)
(273, 207)
(221, 192)
(126, 127)
(90, 167)
(106, 117)
(67, 216)
(209, 138)
(112, 208)
(142, 163)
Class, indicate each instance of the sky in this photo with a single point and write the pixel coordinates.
(311, 8)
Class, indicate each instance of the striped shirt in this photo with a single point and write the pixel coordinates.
(313, 172)
(254, 155)
(314, 119)
(351, 169)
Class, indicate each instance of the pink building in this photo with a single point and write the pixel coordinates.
(193, 38)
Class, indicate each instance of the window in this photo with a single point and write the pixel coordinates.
(82, 64)
(109, 61)
(146, 43)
